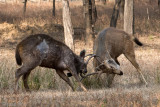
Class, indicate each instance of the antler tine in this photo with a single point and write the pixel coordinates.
(97, 68)
(82, 75)
(88, 55)
(89, 75)
(93, 55)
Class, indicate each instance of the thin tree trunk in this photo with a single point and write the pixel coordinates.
(68, 30)
(159, 4)
(24, 8)
(94, 12)
(115, 14)
(103, 1)
(94, 17)
(39, 2)
(121, 9)
(54, 13)
(150, 1)
(16, 1)
(90, 15)
(129, 17)
(88, 27)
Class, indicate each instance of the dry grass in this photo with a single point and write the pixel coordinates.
(126, 90)
(48, 89)
(135, 97)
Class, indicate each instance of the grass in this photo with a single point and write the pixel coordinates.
(48, 89)
(141, 97)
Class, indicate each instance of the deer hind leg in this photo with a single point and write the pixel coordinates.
(21, 71)
(25, 79)
(65, 78)
(25, 71)
(16, 81)
(131, 58)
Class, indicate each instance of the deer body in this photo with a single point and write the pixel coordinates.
(42, 50)
(110, 44)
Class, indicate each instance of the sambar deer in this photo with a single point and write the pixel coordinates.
(42, 50)
(108, 46)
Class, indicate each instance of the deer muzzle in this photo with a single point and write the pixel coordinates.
(113, 66)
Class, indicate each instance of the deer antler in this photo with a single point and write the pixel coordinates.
(88, 55)
(91, 55)
(89, 75)
(97, 68)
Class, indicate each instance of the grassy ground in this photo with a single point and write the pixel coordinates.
(48, 89)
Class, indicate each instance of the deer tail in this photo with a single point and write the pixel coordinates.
(18, 58)
(137, 41)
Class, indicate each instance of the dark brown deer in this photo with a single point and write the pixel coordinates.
(42, 50)
(109, 45)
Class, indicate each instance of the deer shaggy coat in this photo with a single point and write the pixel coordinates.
(42, 50)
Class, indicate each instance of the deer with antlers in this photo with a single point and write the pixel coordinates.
(108, 46)
(42, 50)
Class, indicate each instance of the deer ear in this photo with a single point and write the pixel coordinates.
(82, 53)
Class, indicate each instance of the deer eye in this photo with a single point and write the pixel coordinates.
(110, 61)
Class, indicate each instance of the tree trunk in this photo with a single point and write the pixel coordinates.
(150, 1)
(94, 12)
(159, 4)
(15, 1)
(129, 16)
(39, 2)
(54, 13)
(121, 9)
(90, 19)
(68, 30)
(103, 1)
(94, 18)
(115, 13)
(24, 8)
